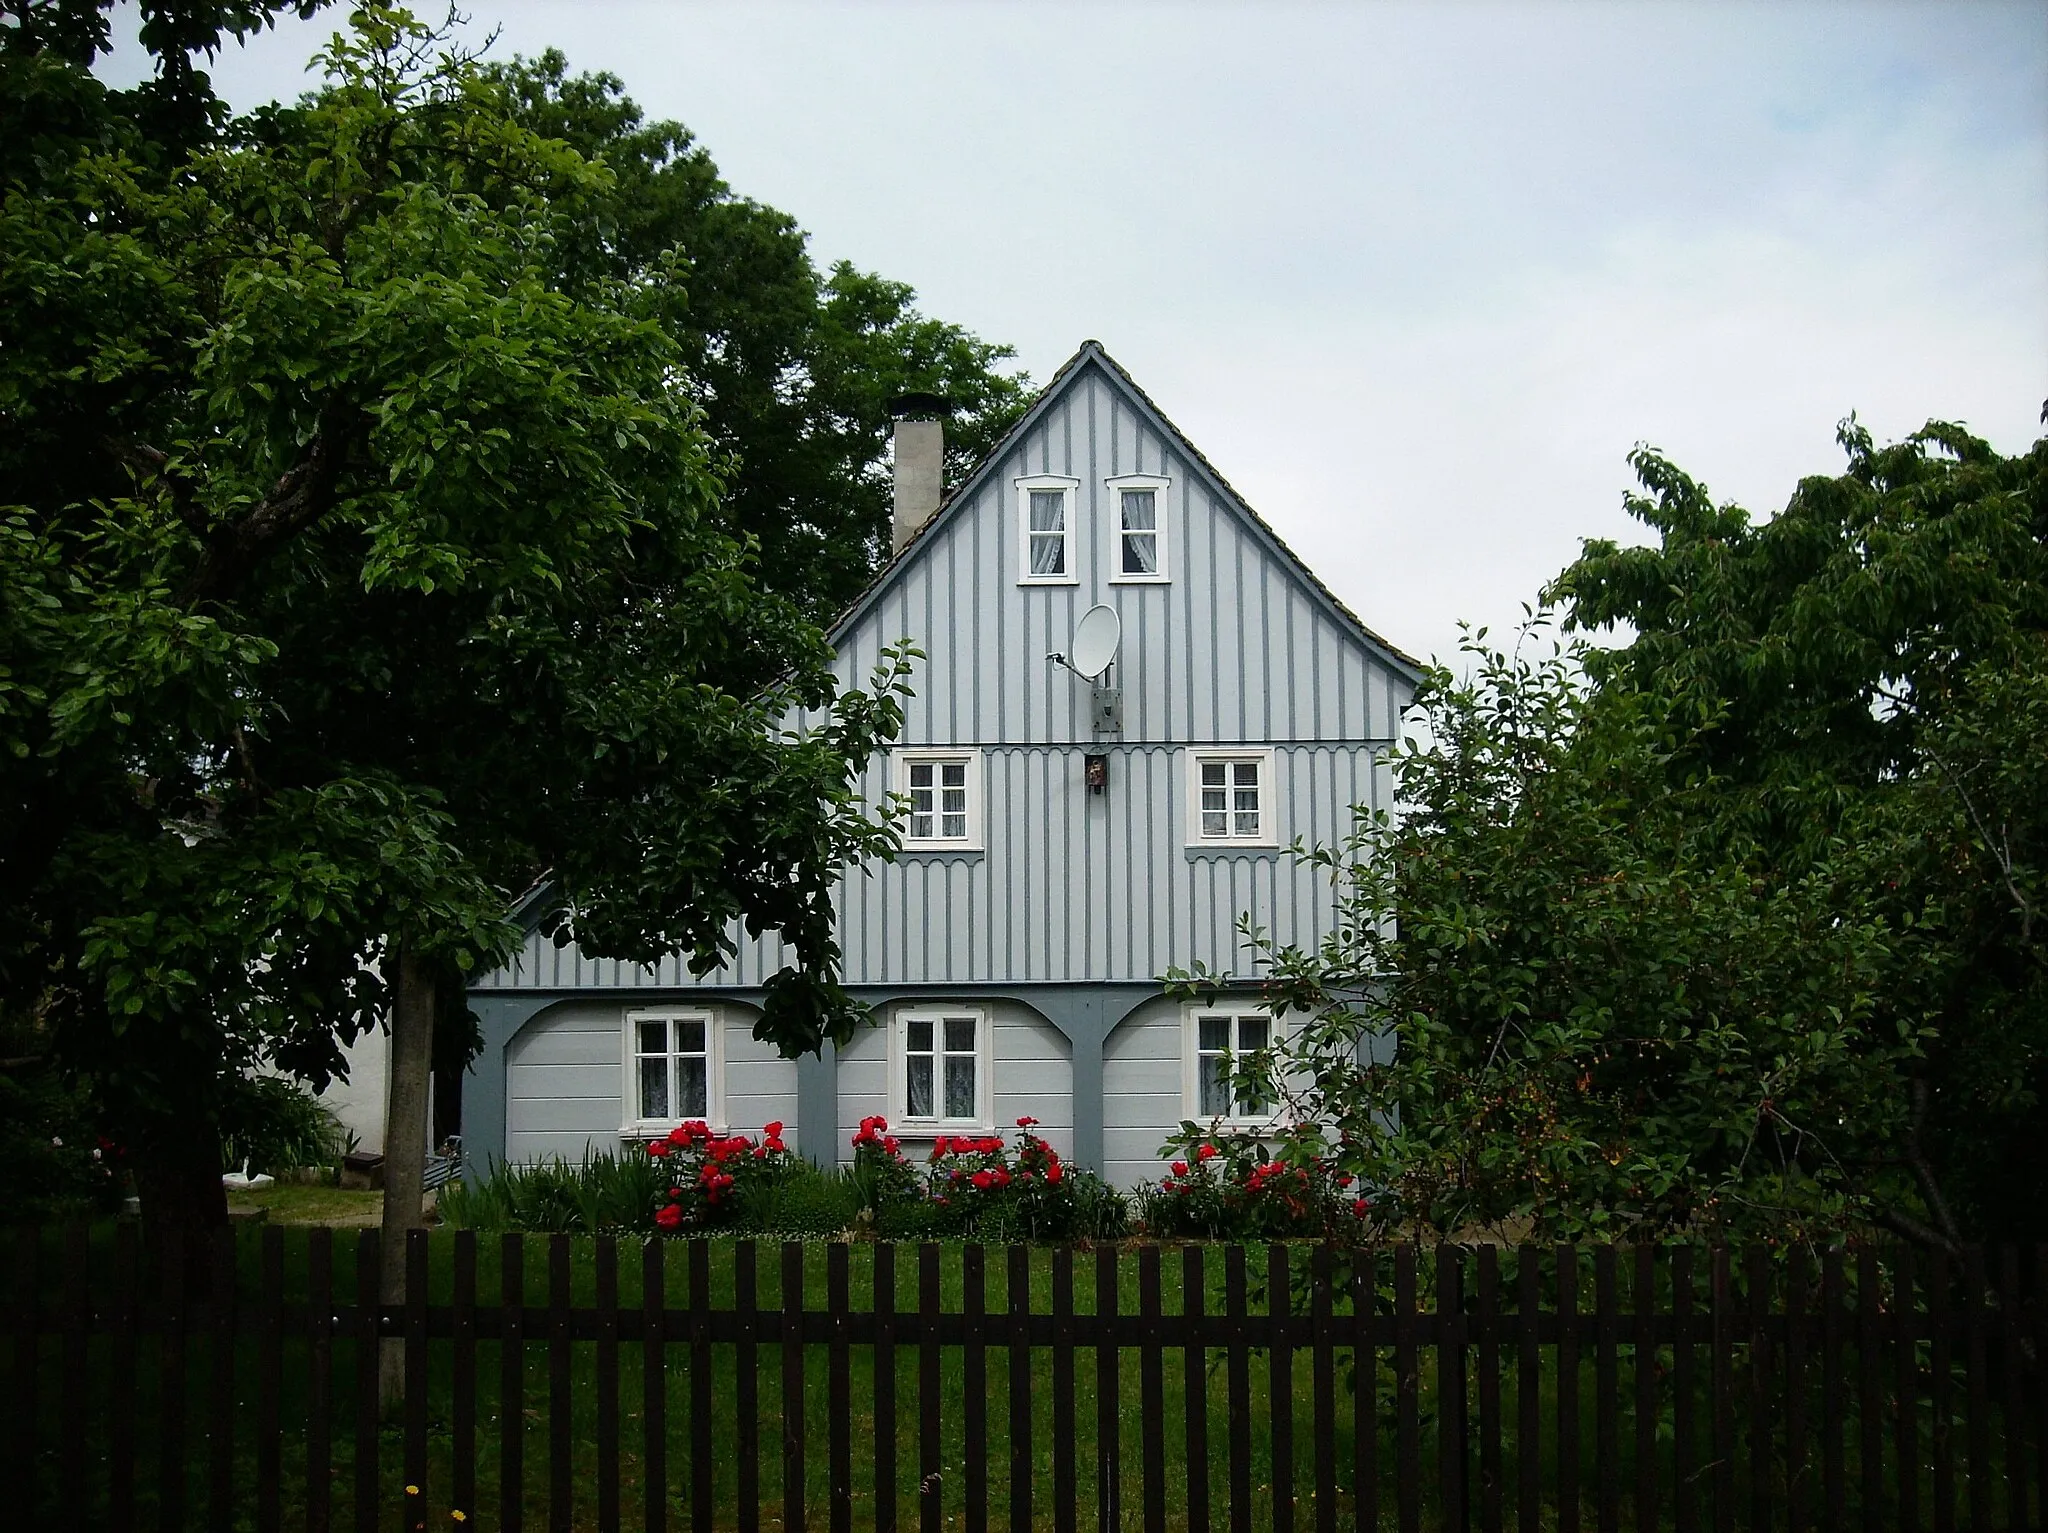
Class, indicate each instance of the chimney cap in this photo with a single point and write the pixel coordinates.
(919, 407)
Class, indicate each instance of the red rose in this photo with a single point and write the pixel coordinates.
(984, 1180)
(1054, 1172)
(669, 1217)
(1002, 1177)
(891, 1144)
(1362, 1207)
(1206, 1152)
(772, 1130)
(1180, 1168)
(1027, 1121)
(659, 1148)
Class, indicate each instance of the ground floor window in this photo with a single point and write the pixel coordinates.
(672, 1069)
(1212, 1040)
(940, 1069)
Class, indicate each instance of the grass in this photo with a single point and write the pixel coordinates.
(306, 1203)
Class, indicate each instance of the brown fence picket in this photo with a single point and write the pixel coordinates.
(1528, 1389)
(1323, 1389)
(561, 1424)
(76, 1307)
(1940, 1288)
(2040, 1372)
(1721, 1367)
(1796, 1344)
(125, 1381)
(883, 1295)
(1151, 1395)
(416, 1381)
(1488, 1340)
(462, 1379)
(319, 1379)
(697, 1278)
(1606, 1391)
(1365, 1405)
(1407, 1405)
(270, 1380)
(172, 1393)
(1906, 1381)
(1643, 1294)
(23, 1426)
(838, 1393)
(2012, 1406)
(220, 1394)
(1109, 1487)
(1065, 1500)
(1978, 1439)
(746, 1394)
(512, 1383)
(1450, 1384)
(1237, 1405)
(1017, 1291)
(606, 1271)
(1567, 1389)
(974, 1385)
(1757, 1274)
(1280, 1385)
(1834, 1496)
(1194, 1303)
(1869, 1391)
(794, 1513)
(369, 1303)
(930, 1472)
(1684, 1395)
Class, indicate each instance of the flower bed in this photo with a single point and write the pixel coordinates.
(1242, 1188)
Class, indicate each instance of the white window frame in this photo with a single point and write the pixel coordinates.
(1158, 484)
(902, 760)
(1044, 483)
(1269, 796)
(1192, 1017)
(632, 1125)
(984, 1118)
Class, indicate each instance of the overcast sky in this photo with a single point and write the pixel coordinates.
(1414, 276)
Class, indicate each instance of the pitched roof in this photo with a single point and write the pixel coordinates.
(1092, 353)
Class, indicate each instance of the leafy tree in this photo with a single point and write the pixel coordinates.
(363, 556)
(1733, 926)
(796, 369)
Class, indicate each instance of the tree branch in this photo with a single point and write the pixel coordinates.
(304, 494)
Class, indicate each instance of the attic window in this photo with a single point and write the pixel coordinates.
(1139, 503)
(1045, 507)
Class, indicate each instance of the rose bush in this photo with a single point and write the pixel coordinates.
(1240, 1187)
(708, 1176)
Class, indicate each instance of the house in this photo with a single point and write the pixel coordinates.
(1070, 837)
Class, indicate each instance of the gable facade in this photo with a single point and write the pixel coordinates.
(1038, 905)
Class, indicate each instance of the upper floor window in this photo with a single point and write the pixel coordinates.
(939, 1076)
(1231, 798)
(673, 1068)
(1216, 1046)
(944, 790)
(1045, 505)
(1139, 504)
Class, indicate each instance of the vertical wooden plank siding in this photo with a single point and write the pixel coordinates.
(512, 1382)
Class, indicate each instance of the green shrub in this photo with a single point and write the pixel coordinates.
(604, 1194)
(53, 1166)
(799, 1201)
(273, 1124)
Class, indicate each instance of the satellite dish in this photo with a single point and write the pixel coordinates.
(1096, 638)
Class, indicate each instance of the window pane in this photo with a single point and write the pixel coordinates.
(1048, 553)
(1212, 774)
(1246, 824)
(920, 1036)
(918, 1078)
(1140, 511)
(654, 1037)
(1215, 1034)
(689, 1037)
(1214, 821)
(693, 1089)
(952, 827)
(1048, 510)
(1253, 1032)
(953, 800)
(959, 1086)
(921, 827)
(1246, 774)
(960, 1035)
(953, 774)
(920, 774)
(1141, 553)
(1214, 1101)
(654, 1088)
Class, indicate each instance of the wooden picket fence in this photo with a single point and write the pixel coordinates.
(562, 1383)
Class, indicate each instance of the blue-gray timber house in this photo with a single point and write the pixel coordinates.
(1055, 866)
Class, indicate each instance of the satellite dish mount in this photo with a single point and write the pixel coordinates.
(1096, 640)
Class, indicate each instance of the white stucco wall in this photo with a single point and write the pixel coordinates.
(359, 1101)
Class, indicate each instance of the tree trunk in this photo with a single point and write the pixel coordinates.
(405, 1145)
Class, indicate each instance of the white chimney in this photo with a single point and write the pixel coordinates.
(920, 464)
